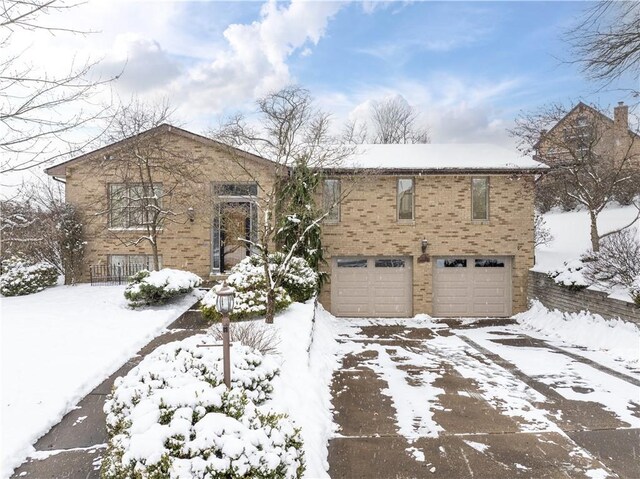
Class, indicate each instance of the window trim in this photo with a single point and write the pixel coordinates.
(413, 200)
(487, 193)
(337, 206)
(127, 186)
(148, 256)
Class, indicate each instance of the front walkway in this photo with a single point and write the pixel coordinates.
(73, 448)
(422, 398)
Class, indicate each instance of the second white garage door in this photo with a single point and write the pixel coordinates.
(371, 287)
(472, 286)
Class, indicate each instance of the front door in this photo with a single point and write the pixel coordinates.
(235, 233)
(235, 224)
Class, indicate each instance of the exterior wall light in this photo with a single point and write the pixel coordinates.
(191, 214)
(424, 257)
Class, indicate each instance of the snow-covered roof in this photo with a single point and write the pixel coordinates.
(439, 156)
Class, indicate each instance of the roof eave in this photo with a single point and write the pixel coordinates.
(437, 171)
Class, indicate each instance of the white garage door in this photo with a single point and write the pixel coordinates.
(472, 286)
(371, 287)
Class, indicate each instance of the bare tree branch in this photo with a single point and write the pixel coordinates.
(607, 40)
(34, 105)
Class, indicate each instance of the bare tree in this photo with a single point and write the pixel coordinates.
(152, 182)
(37, 225)
(607, 40)
(35, 108)
(292, 133)
(541, 234)
(591, 158)
(391, 121)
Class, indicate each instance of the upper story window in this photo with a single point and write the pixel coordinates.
(405, 199)
(480, 198)
(331, 200)
(133, 205)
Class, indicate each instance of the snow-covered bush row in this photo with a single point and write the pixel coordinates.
(570, 276)
(248, 280)
(20, 277)
(158, 287)
(584, 329)
(173, 417)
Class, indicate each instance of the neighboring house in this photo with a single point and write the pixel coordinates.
(585, 129)
(445, 230)
(586, 147)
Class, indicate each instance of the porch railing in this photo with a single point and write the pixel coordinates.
(103, 274)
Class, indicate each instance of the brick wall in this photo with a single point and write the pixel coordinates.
(544, 289)
(182, 244)
(369, 227)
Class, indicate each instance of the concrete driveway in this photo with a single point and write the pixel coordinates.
(425, 398)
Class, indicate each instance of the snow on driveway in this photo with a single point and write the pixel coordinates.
(557, 398)
(57, 346)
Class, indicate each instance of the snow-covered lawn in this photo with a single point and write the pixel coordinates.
(303, 389)
(58, 345)
(571, 238)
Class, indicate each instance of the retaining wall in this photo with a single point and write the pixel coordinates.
(545, 290)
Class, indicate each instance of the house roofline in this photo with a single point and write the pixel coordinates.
(436, 171)
(59, 170)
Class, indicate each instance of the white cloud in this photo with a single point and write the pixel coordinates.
(143, 63)
(456, 110)
(255, 58)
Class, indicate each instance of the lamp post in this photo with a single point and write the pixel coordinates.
(225, 299)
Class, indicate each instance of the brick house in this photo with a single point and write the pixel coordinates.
(587, 136)
(445, 230)
(586, 128)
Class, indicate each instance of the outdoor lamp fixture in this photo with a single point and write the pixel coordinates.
(423, 244)
(225, 300)
(191, 214)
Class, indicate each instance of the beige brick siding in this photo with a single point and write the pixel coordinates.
(368, 223)
(369, 227)
(183, 244)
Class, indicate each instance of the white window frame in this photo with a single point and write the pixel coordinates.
(332, 205)
(128, 208)
(413, 200)
(487, 192)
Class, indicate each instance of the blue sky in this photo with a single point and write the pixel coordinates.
(468, 67)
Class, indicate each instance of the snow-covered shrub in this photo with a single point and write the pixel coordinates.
(541, 232)
(20, 277)
(250, 300)
(173, 417)
(570, 275)
(618, 261)
(634, 290)
(254, 334)
(300, 280)
(158, 287)
(248, 280)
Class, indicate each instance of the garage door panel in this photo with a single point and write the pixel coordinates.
(380, 286)
(481, 288)
(354, 292)
(489, 292)
(448, 293)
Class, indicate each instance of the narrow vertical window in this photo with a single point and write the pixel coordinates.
(331, 197)
(405, 199)
(480, 198)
